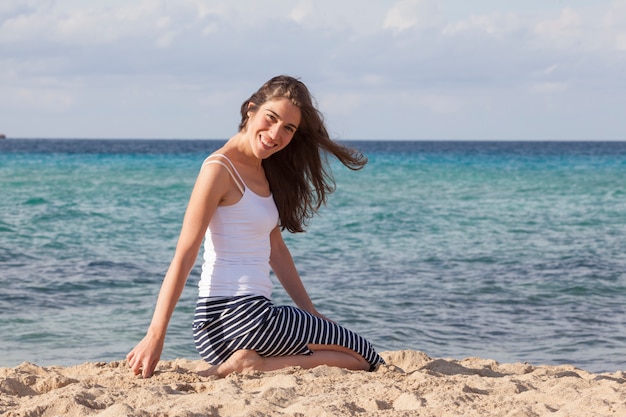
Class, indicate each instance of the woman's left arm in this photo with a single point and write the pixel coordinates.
(283, 266)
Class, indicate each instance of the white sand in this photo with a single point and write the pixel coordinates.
(411, 384)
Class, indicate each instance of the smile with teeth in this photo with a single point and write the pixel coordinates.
(267, 144)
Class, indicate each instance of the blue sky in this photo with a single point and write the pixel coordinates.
(408, 69)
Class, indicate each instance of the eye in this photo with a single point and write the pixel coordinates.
(271, 117)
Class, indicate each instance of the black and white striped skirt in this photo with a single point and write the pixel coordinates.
(224, 325)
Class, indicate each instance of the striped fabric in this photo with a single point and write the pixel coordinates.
(224, 325)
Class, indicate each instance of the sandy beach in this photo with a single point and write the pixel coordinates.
(411, 384)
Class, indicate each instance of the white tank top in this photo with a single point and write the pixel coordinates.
(237, 244)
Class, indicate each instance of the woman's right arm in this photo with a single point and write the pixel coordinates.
(212, 186)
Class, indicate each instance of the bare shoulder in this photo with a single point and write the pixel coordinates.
(218, 178)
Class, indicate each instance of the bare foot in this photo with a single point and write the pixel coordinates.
(203, 371)
(242, 361)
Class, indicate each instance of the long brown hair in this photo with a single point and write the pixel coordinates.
(299, 175)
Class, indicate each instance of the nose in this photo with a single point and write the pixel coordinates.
(275, 131)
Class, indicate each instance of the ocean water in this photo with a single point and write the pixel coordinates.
(514, 251)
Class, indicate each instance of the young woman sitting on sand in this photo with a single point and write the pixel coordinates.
(269, 176)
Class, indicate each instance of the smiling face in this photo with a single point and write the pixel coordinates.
(271, 126)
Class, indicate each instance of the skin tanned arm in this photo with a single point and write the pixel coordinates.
(210, 189)
(283, 266)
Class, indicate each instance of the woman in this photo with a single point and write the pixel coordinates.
(270, 176)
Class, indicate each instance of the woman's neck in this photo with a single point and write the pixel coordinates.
(240, 146)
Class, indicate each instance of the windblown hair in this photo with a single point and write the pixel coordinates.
(299, 175)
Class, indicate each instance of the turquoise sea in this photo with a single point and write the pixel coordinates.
(514, 251)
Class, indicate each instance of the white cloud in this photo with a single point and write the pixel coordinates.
(165, 40)
(620, 41)
(567, 28)
(550, 69)
(448, 60)
(301, 11)
(39, 94)
(23, 27)
(407, 14)
(494, 24)
(549, 87)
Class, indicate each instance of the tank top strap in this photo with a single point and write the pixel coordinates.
(230, 167)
